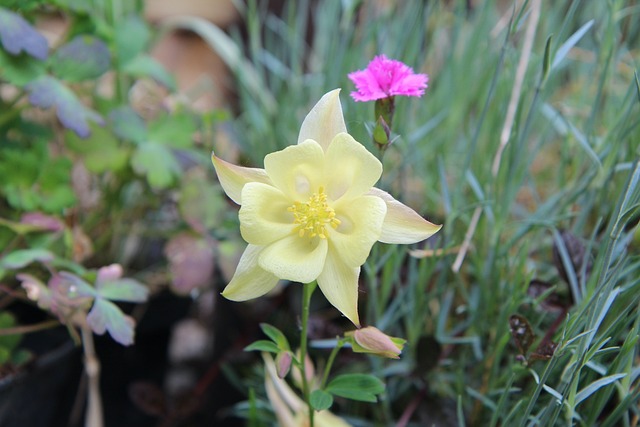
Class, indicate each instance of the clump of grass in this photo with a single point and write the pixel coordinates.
(529, 129)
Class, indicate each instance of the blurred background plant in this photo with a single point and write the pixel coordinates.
(104, 171)
(523, 311)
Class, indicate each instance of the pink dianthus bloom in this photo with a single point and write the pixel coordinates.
(386, 77)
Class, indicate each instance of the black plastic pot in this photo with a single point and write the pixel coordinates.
(42, 395)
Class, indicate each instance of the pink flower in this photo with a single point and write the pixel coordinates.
(386, 77)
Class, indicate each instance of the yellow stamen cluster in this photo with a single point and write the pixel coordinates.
(314, 215)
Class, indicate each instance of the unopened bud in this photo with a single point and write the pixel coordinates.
(373, 341)
(283, 363)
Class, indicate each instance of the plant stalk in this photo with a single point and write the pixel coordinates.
(330, 361)
(94, 416)
(307, 291)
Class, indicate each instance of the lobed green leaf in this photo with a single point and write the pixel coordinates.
(320, 400)
(276, 336)
(263, 345)
(361, 387)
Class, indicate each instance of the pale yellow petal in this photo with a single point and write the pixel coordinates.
(360, 227)
(233, 177)
(295, 258)
(250, 281)
(402, 224)
(290, 410)
(339, 284)
(297, 170)
(351, 170)
(281, 396)
(263, 216)
(324, 121)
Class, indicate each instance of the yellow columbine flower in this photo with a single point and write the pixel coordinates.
(312, 212)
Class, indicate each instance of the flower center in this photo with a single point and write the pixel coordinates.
(313, 216)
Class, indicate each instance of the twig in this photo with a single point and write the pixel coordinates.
(467, 240)
(93, 417)
(410, 409)
(517, 84)
(16, 330)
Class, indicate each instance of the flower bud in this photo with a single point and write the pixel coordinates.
(373, 341)
(283, 363)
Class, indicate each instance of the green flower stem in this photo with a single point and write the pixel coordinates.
(307, 291)
(332, 357)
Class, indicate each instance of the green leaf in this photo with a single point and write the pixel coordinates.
(83, 58)
(21, 227)
(131, 38)
(47, 92)
(17, 35)
(101, 151)
(7, 342)
(20, 70)
(564, 49)
(320, 400)
(81, 6)
(128, 125)
(158, 164)
(546, 58)
(5, 355)
(106, 316)
(276, 336)
(360, 387)
(595, 386)
(129, 290)
(174, 130)
(201, 203)
(263, 345)
(146, 66)
(23, 5)
(21, 356)
(23, 257)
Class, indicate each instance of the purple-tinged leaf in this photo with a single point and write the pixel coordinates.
(129, 290)
(190, 262)
(106, 316)
(36, 290)
(75, 286)
(69, 294)
(42, 221)
(17, 35)
(108, 273)
(47, 92)
(23, 257)
(110, 285)
(85, 57)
